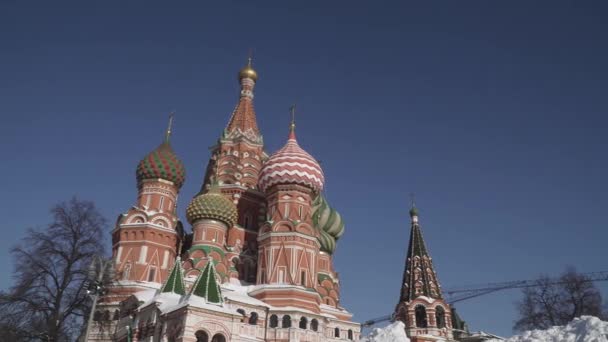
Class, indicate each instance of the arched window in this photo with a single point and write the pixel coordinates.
(97, 316)
(286, 321)
(253, 318)
(201, 336)
(440, 317)
(243, 314)
(274, 321)
(337, 332)
(350, 334)
(421, 321)
(116, 315)
(303, 323)
(314, 325)
(218, 338)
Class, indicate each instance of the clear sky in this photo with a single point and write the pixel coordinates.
(493, 113)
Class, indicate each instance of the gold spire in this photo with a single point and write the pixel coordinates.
(169, 127)
(292, 125)
(247, 71)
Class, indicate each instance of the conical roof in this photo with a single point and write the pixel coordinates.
(206, 285)
(419, 277)
(175, 281)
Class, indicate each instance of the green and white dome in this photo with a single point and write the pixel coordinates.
(329, 223)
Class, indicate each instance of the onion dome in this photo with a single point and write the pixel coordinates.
(248, 72)
(326, 218)
(327, 242)
(291, 165)
(212, 205)
(413, 211)
(162, 163)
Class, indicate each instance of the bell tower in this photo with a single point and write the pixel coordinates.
(421, 306)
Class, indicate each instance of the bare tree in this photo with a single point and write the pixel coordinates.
(553, 302)
(48, 299)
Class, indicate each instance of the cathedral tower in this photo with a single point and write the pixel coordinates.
(289, 246)
(421, 306)
(147, 237)
(233, 171)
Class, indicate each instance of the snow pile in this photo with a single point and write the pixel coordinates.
(583, 329)
(394, 332)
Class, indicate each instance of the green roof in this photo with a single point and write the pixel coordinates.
(206, 285)
(175, 281)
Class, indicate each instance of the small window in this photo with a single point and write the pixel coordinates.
(253, 318)
(201, 336)
(274, 321)
(152, 273)
(303, 278)
(303, 323)
(263, 276)
(162, 202)
(314, 325)
(300, 211)
(337, 332)
(350, 334)
(421, 321)
(286, 321)
(440, 317)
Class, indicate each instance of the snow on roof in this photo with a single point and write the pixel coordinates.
(582, 329)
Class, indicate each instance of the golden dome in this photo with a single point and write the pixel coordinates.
(248, 72)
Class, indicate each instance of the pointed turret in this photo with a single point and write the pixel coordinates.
(243, 120)
(206, 285)
(175, 281)
(421, 303)
(419, 278)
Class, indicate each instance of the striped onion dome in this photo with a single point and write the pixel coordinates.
(327, 242)
(328, 221)
(326, 218)
(212, 205)
(291, 165)
(162, 163)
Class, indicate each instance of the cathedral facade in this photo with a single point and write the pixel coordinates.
(256, 264)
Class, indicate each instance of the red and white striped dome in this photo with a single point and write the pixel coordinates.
(291, 165)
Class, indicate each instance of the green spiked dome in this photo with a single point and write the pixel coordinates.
(212, 205)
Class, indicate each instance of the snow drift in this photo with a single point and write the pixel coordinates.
(583, 329)
(394, 332)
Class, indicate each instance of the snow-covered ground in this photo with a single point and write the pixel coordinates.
(583, 329)
(395, 332)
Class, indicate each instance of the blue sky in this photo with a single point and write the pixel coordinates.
(493, 113)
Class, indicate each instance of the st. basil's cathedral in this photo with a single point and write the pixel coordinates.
(257, 264)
